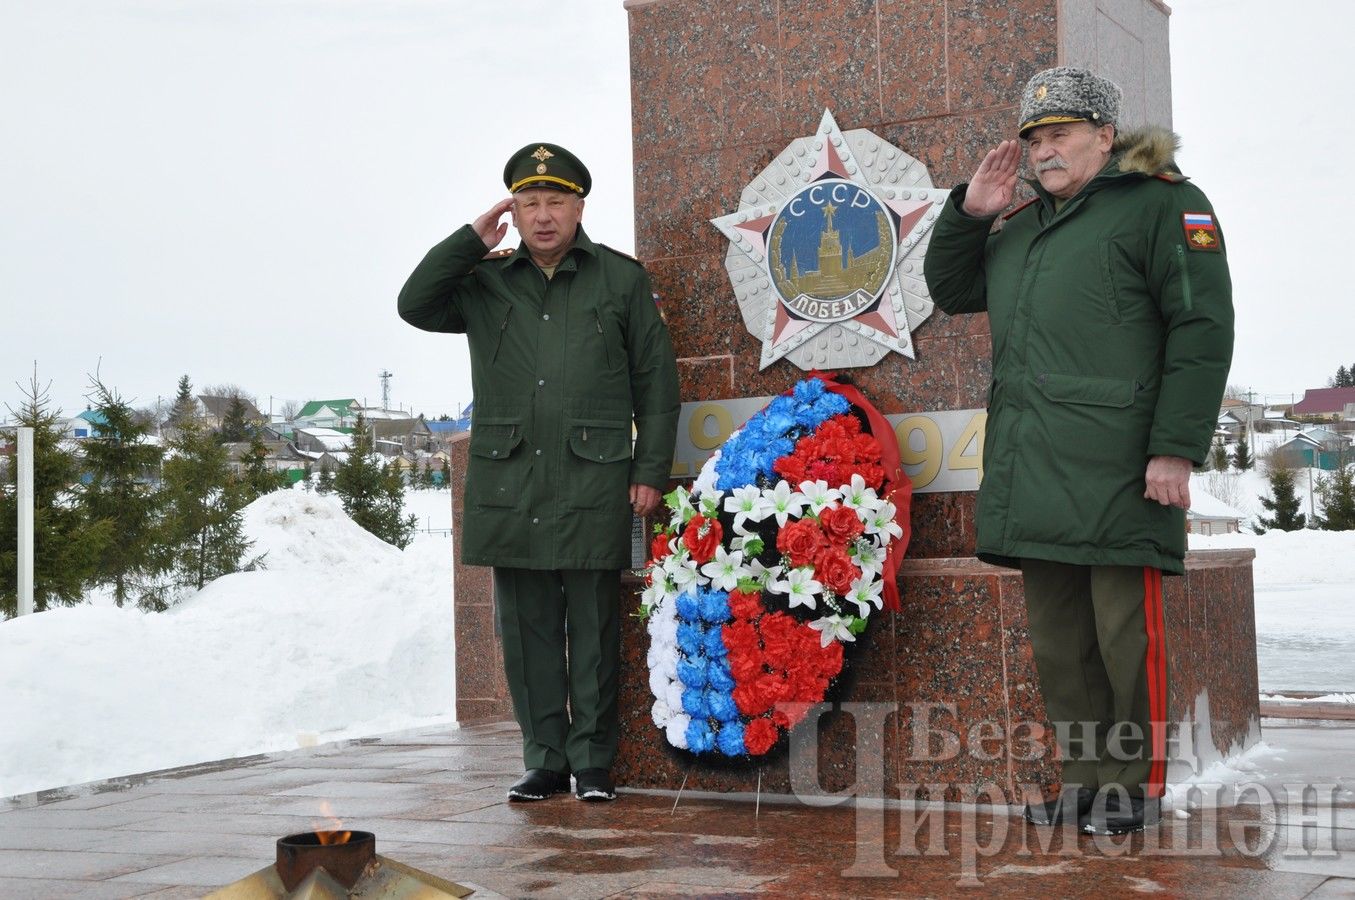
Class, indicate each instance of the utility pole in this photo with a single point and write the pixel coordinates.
(385, 389)
(25, 486)
(1251, 431)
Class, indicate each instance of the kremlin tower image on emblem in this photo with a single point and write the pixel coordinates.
(831, 272)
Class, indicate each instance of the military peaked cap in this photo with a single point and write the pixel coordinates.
(546, 166)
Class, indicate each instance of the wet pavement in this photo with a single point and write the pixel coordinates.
(435, 800)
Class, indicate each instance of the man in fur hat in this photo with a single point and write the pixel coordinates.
(1110, 309)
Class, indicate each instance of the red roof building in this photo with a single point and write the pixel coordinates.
(1325, 402)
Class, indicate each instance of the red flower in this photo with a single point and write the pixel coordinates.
(702, 537)
(778, 638)
(835, 571)
(834, 452)
(745, 606)
(659, 550)
(800, 540)
(759, 736)
(841, 524)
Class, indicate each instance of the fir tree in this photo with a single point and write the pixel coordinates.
(1283, 503)
(1219, 458)
(234, 427)
(185, 407)
(1338, 499)
(1344, 377)
(325, 484)
(374, 498)
(66, 545)
(256, 476)
(306, 471)
(1242, 458)
(204, 535)
(122, 466)
(446, 472)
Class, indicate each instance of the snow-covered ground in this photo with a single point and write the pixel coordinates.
(340, 636)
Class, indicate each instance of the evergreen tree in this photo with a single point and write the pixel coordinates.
(446, 472)
(204, 535)
(306, 471)
(234, 426)
(1242, 458)
(428, 479)
(122, 464)
(256, 476)
(1338, 499)
(1219, 457)
(1283, 503)
(66, 545)
(1342, 377)
(326, 481)
(374, 498)
(185, 406)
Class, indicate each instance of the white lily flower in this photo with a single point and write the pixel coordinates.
(748, 505)
(858, 496)
(799, 586)
(882, 520)
(869, 557)
(819, 495)
(763, 574)
(655, 591)
(865, 592)
(684, 506)
(785, 502)
(705, 481)
(682, 572)
(832, 628)
(725, 570)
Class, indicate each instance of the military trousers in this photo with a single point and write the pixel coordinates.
(561, 633)
(1100, 649)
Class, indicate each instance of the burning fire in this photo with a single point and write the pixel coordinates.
(330, 831)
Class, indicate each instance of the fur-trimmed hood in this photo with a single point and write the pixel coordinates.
(1149, 151)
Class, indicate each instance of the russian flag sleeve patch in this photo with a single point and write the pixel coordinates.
(1201, 232)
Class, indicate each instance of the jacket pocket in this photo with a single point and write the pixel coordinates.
(1090, 390)
(597, 466)
(1111, 293)
(497, 473)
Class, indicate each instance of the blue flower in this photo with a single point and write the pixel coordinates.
(731, 739)
(689, 638)
(721, 706)
(693, 671)
(718, 675)
(714, 606)
(694, 703)
(688, 607)
(713, 645)
(700, 739)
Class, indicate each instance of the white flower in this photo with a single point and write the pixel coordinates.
(832, 628)
(677, 730)
(660, 713)
(747, 504)
(763, 574)
(684, 506)
(869, 557)
(800, 586)
(882, 520)
(858, 496)
(866, 591)
(673, 696)
(658, 685)
(656, 590)
(725, 570)
(681, 569)
(706, 480)
(819, 495)
(785, 502)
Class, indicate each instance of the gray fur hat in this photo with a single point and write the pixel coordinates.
(1068, 94)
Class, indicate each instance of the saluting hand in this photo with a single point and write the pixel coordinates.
(994, 182)
(489, 227)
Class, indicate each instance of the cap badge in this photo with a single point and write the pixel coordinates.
(542, 154)
(541, 168)
(1041, 92)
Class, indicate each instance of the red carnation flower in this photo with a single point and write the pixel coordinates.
(759, 736)
(745, 606)
(702, 537)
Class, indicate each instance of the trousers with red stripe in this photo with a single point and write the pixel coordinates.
(1100, 649)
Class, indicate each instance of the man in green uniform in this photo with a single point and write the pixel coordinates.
(567, 349)
(1110, 308)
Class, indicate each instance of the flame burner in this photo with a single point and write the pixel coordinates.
(343, 854)
(315, 866)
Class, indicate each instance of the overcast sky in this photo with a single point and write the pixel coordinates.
(236, 189)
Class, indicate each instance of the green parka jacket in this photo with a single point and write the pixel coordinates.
(1112, 330)
(559, 368)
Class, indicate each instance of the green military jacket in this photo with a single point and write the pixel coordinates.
(1112, 330)
(560, 367)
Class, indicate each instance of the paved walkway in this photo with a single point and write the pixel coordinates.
(434, 799)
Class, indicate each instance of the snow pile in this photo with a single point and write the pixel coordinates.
(340, 636)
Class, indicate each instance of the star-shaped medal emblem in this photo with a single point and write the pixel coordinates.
(825, 251)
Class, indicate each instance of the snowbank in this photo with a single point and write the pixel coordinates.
(341, 636)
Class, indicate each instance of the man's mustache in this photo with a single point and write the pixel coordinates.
(1052, 163)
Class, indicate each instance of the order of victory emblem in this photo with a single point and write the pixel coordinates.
(825, 251)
